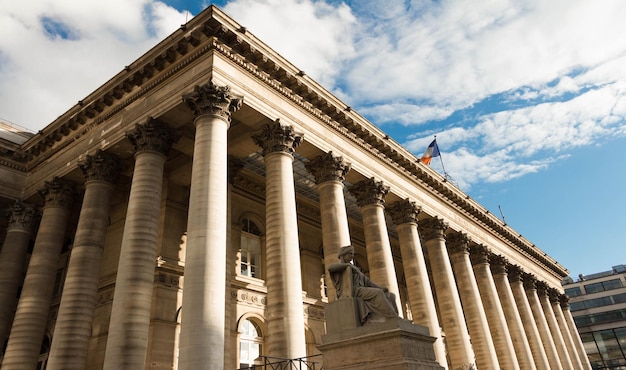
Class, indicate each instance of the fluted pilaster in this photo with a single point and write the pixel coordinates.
(528, 319)
(513, 320)
(132, 300)
(202, 327)
(73, 327)
(370, 196)
(22, 220)
(571, 326)
(559, 343)
(479, 256)
(284, 283)
(31, 317)
(329, 172)
(404, 214)
(484, 349)
(459, 348)
(530, 286)
(570, 346)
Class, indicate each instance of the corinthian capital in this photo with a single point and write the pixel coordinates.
(369, 191)
(213, 100)
(22, 215)
(498, 264)
(433, 228)
(277, 138)
(564, 301)
(404, 212)
(530, 282)
(101, 166)
(327, 167)
(58, 193)
(457, 243)
(154, 136)
(479, 254)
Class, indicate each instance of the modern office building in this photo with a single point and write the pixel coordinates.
(598, 305)
(183, 214)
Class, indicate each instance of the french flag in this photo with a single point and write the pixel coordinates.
(431, 152)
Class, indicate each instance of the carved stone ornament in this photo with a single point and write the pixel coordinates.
(530, 282)
(213, 100)
(564, 301)
(277, 138)
(432, 228)
(515, 273)
(498, 264)
(327, 167)
(479, 254)
(553, 294)
(23, 216)
(457, 243)
(404, 212)
(154, 136)
(101, 166)
(542, 289)
(58, 193)
(369, 192)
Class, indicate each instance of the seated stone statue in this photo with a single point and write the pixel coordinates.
(375, 303)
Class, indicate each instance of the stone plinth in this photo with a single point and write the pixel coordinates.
(393, 344)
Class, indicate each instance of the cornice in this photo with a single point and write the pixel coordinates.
(214, 30)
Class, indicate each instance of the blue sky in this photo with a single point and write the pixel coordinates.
(527, 99)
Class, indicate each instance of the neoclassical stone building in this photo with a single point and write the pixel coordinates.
(182, 215)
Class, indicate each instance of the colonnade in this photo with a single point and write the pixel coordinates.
(482, 310)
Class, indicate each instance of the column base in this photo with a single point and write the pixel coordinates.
(393, 344)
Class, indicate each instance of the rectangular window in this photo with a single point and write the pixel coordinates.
(612, 284)
(577, 306)
(598, 302)
(573, 292)
(250, 256)
(594, 288)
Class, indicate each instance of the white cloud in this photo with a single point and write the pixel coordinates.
(43, 73)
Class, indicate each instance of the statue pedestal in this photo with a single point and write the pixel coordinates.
(394, 344)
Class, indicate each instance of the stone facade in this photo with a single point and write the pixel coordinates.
(191, 206)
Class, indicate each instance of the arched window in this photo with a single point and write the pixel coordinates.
(250, 249)
(250, 344)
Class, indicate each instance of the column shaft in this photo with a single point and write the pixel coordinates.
(129, 327)
(542, 325)
(567, 337)
(202, 327)
(329, 172)
(493, 310)
(571, 326)
(73, 326)
(285, 310)
(473, 309)
(31, 317)
(370, 196)
(513, 320)
(418, 286)
(460, 352)
(555, 332)
(530, 326)
(22, 218)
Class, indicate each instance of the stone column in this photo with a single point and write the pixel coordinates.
(329, 172)
(22, 220)
(479, 256)
(285, 310)
(31, 317)
(570, 346)
(458, 343)
(530, 285)
(404, 214)
(559, 343)
(484, 349)
(202, 327)
(370, 196)
(571, 326)
(526, 314)
(132, 300)
(72, 331)
(513, 319)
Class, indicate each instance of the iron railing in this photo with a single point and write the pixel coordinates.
(277, 363)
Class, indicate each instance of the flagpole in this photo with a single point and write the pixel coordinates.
(445, 174)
